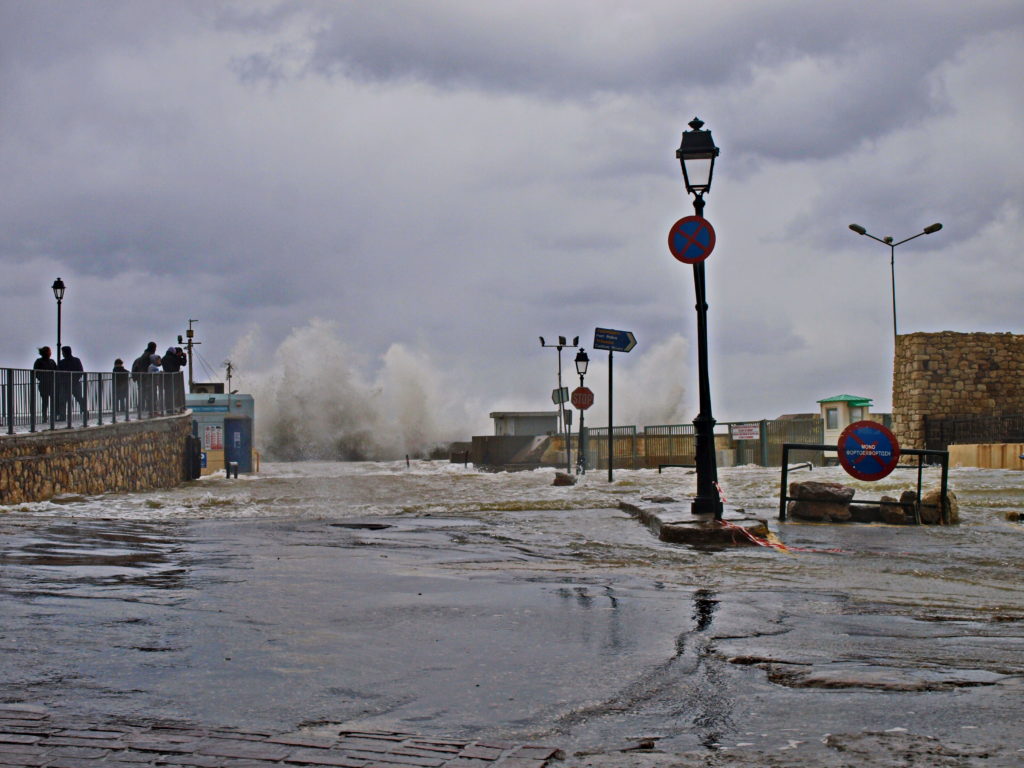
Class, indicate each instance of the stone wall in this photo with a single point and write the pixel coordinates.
(947, 374)
(128, 456)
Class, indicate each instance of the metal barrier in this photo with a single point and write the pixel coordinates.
(33, 400)
(942, 456)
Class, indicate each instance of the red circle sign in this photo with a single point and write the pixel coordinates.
(582, 398)
(867, 450)
(691, 239)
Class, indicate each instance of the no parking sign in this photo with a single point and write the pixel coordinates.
(691, 239)
(867, 450)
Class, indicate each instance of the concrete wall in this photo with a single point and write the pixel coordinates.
(947, 374)
(129, 456)
(988, 456)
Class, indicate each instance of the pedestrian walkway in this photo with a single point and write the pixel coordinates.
(34, 736)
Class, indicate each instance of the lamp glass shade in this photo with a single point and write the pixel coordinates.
(582, 361)
(696, 155)
(58, 289)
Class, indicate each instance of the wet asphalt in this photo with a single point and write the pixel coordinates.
(422, 625)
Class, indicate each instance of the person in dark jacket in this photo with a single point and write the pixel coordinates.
(139, 367)
(120, 386)
(69, 384)
(46, 365)
(174, 358)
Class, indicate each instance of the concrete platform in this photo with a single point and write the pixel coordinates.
(670, 520)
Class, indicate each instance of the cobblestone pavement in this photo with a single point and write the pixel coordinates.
(33, 736)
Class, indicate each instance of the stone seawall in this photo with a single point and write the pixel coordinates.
(129, 456)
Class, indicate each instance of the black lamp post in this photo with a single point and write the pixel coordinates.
(562, 420)
(582, 361)
(58, 294)
(892, 259)
(696, 155)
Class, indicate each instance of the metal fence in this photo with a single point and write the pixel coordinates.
(31, 401)
(939, 434)
(624, 448)
(670, 444)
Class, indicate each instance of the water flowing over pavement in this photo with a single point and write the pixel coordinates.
(437, 600)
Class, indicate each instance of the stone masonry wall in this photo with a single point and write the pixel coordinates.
(130, 456)
(947, 374)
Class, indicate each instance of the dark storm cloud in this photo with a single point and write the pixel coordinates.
(822, 78)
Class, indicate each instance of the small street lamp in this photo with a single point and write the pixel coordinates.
(582, 361)
(563, 423)
(58, 293)
(696, 155)
(892, 259)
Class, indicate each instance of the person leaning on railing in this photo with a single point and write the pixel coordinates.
(45, 366)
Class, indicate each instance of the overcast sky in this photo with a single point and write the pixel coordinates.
(418, 190)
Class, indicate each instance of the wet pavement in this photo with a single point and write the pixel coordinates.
(496, 609)
(32, 736)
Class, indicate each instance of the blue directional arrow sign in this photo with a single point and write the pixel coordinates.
(614, 341)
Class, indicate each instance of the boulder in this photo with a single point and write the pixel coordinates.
(812, 490)
(814, 500)
(931, 513)
(824, 511)
(564, 478)
(892, 512)
(865, 513)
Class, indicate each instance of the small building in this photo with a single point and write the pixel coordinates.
(224, 423)
(840, 411)
(524, 423)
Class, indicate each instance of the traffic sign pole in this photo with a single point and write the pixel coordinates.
(611, 444)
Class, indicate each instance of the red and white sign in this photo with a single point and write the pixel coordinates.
(746, 431)
(582, 398)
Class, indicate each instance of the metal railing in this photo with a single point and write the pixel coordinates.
(31, 400)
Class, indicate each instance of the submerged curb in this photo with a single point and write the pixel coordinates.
(670, 520)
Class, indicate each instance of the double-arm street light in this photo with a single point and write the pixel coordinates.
(58, 294)
(582, 361)
(696, 155)
(563, 423)
(888, 240)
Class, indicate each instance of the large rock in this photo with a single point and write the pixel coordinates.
(563, 478)
(931, 512)
(812, 490)
(894, 513)
(814, 500)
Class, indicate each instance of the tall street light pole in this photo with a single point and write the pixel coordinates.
(582, 361)
(696, 155)
(562, 421)
(58, 293)
(888, 240)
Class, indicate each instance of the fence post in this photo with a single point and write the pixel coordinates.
(784, 491)
(9, 401)
(762, 431)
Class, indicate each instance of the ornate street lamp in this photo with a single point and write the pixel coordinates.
(696, 155)
(582, 361)
(58, 294)
(892, 259)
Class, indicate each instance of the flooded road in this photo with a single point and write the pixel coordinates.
(438, 599)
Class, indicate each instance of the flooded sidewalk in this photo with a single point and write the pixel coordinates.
(33, 736)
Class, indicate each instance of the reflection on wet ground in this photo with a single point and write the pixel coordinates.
(445, 601)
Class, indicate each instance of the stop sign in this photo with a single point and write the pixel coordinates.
(582, 398)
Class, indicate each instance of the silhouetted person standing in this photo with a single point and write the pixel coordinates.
(120, 386)
(139, 375)
(69, 383)
(45, 366)
(172, 361)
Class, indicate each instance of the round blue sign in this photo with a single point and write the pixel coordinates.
(691, 239)
(868, 451)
